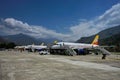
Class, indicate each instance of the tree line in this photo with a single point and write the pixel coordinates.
(9, 45)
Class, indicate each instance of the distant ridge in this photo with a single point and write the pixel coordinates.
(106, 34)
(2, 40)
(21, 39)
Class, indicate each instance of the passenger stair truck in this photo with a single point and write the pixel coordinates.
(62, 50)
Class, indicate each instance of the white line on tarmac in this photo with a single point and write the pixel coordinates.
(11, 75)
(87, 64)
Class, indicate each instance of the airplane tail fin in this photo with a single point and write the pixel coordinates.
(42, 44)
(33, 44)
(55, 42)
(95, 41)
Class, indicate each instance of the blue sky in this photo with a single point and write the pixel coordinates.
(67, 19)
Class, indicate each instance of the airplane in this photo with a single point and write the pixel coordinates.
(80, 48)
(34, 48)
(20, 48)
(77, 45)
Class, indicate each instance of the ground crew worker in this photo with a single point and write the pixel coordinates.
(104, 56)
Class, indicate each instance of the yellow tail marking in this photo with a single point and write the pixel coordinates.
(95, 41)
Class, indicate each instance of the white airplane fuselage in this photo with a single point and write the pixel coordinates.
(38, 47)
(74, 45)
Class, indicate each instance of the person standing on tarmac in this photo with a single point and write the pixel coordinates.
(105, 53)
(104, 56)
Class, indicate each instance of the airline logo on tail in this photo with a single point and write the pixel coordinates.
(95, 41)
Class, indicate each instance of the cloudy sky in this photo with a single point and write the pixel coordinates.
(62, 19)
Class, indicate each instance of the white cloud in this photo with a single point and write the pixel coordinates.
(110, 18)
(12, 26)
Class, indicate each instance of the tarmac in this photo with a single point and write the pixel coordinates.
(15, 65)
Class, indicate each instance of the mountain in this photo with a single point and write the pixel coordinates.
(50, 40)
(21, 39)
(113, 40)
(2, 40)
(106, 36)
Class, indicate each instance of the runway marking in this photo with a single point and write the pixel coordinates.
(87, 64)
(11, 75)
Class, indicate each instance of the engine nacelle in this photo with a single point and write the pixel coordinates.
(81, 51)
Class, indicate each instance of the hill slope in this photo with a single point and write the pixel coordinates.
(113, 40)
